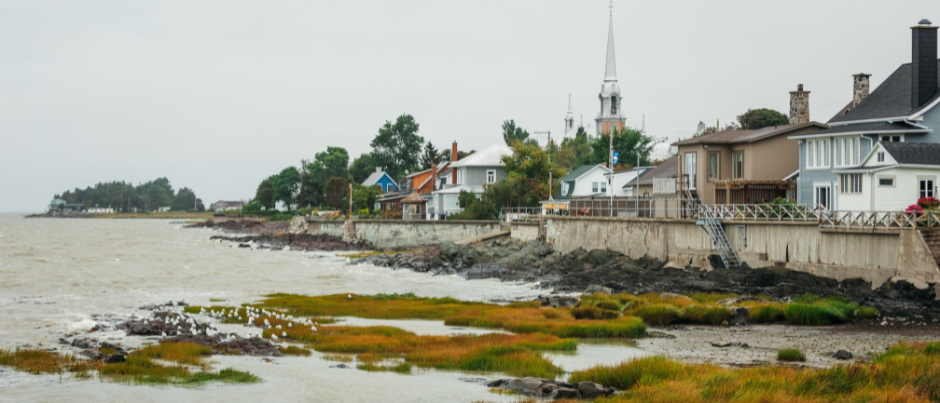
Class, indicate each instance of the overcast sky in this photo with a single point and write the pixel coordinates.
(217, 95)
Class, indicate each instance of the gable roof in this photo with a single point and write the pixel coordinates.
(580, 171)
(892, 99)
(913, 153)
(488, 157)
(375, 177)
(667, 169)
(866, 128)
(746, 136)
(439, 169)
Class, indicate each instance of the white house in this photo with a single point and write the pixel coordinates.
(623, 182)
(890, 178)
(100, 210)
(469, 174)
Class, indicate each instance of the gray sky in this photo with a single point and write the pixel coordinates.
(217, 95)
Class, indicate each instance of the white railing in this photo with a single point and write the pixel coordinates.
(882, 220)
(605, 207)
(768, 212)
(664, 186)
(525, 214)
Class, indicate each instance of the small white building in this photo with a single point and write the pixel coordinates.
(622, 183)
(100, 210)
(223, 205)
(890, 178)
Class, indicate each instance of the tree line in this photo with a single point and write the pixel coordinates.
(125, 197)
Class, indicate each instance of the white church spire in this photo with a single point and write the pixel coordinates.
(610, 72)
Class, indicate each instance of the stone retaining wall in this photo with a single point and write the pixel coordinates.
(220, 218)
(403, 234)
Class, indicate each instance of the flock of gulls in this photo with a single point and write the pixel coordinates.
(185, 322)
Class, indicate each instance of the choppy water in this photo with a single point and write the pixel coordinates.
(55, 275)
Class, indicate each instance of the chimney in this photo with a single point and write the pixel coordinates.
(378, 169)
(799, 105)
(923, 63)
(859, 88)
(433, 177)
(453, 158)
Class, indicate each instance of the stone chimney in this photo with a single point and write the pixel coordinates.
(453, 159)
(923, 63)
(860, 88)
(799, 105)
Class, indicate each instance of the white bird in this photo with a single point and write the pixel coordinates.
(350, 295)
(283, 334)
(164, 334)
(290, 324)
(278, 326)
(313, 328)
(274, 337)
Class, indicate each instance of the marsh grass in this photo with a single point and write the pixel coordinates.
(867, 313)
(294, 350)
(905, 373)
(401, 368)
(791, 355)
(42, 362)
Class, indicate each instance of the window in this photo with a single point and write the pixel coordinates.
(887, 181)
(594, 187)
(881, 156)
(846, 151)
(613, 105)
(927, 188)
(451, 202)
(490, 176)
(737, 161)
(850, 183)
(603, 187)
(822, 195)
(817, 153)
(810, 153)
(460, 176)
(564, 188)
(891, 138)
(690, 169)
(713, 166)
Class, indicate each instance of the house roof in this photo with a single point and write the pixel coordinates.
(375, 177)
(456, 189)
(891, 99)
(488, 157)
(913, 153)
(667, 169)
(865, 128)
(414, 198)
(746, 136)
(439, 168)
(580, 171)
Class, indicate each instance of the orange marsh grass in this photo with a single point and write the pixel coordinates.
(41, 362)
(906, 373)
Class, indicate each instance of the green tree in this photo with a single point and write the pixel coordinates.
(475, 208)
(528, 170)
(396, 144)
(628, 142)
(286, 184)
(337, 193)
(185, 200)
(575, 151)
(362, 167)
(334, 162)
(759, 118)
(265, 193)
(513, 133)
(429, 155)
(365, 196)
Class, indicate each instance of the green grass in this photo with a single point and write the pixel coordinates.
(294, 350)
(791, 355)
(867, 313)
(658, 314)
(819, 313)
(401, 368)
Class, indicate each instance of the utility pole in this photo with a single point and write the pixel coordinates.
(350, 201)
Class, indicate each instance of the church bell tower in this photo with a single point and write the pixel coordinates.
(611, 113)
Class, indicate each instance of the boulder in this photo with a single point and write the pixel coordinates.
(497, 383)
(565, 393)
(342, 366)
(590, 390)
(671, 295)
(842, 355)
(114, 359)
(82, 343)
(298, 225)
(90, 354)
(740, 315)
(559, 302)
(64, 341)
(526, 386)
(724, 344)
(597, 289)
(546, 389)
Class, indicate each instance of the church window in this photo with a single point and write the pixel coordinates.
(613, 105)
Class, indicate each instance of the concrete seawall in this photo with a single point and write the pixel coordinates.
(402, 234)
(876, 256)
(220, 218)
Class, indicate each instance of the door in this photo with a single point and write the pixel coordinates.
(690, 169)
(823, 196)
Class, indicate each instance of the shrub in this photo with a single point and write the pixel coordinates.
(821, 313)
(706, 315)
(791, 355)
(932, 348)
(766, 313)
(658, 314)
(628, 374)
(866, 312)
(590, 312)
(281, 217)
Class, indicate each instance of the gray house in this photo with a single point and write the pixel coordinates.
(469, 174)
(902, 109)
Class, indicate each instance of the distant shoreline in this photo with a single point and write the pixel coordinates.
(156, 215)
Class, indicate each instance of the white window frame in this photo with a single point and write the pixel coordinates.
(460, 176)
(932, 191)
(880, 155)
(735, 173)
(564, 188)
(818, 154)
(894, 181)
(850, 184)
(686, 167)
(490, 176)
(594, 187)
(603, 187)
(816, 188)
(847, 151)
(881, 137)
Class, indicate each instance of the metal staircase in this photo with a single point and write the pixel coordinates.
(720, 240)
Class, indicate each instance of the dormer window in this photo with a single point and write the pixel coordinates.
(564, 188)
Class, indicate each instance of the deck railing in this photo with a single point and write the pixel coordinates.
(766, 212)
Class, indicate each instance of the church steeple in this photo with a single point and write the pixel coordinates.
(569, 118)
(610, 71)
(611, 113)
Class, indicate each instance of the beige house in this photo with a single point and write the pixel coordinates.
(740, 166)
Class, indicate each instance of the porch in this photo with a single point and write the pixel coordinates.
(745, 191)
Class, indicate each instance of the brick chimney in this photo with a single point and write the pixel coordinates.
(923, 63)
(860, 88)
(453, 159)
(799, 105)
(433, 177)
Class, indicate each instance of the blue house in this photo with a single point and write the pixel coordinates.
(381, 179)
(904, 108)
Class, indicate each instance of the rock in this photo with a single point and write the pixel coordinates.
(114, 359)
(559, 302)
(90, 354)
(244, 245)
(527, 385)
(342, 366)
(298, 225)
(64, 341)
(597, 289)
(546, 389)
(740, 315)
(565, 393)
(842, 355)
(671, 295)
(497, 383)
(590, 390)
(724, 344)
(82, 343)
